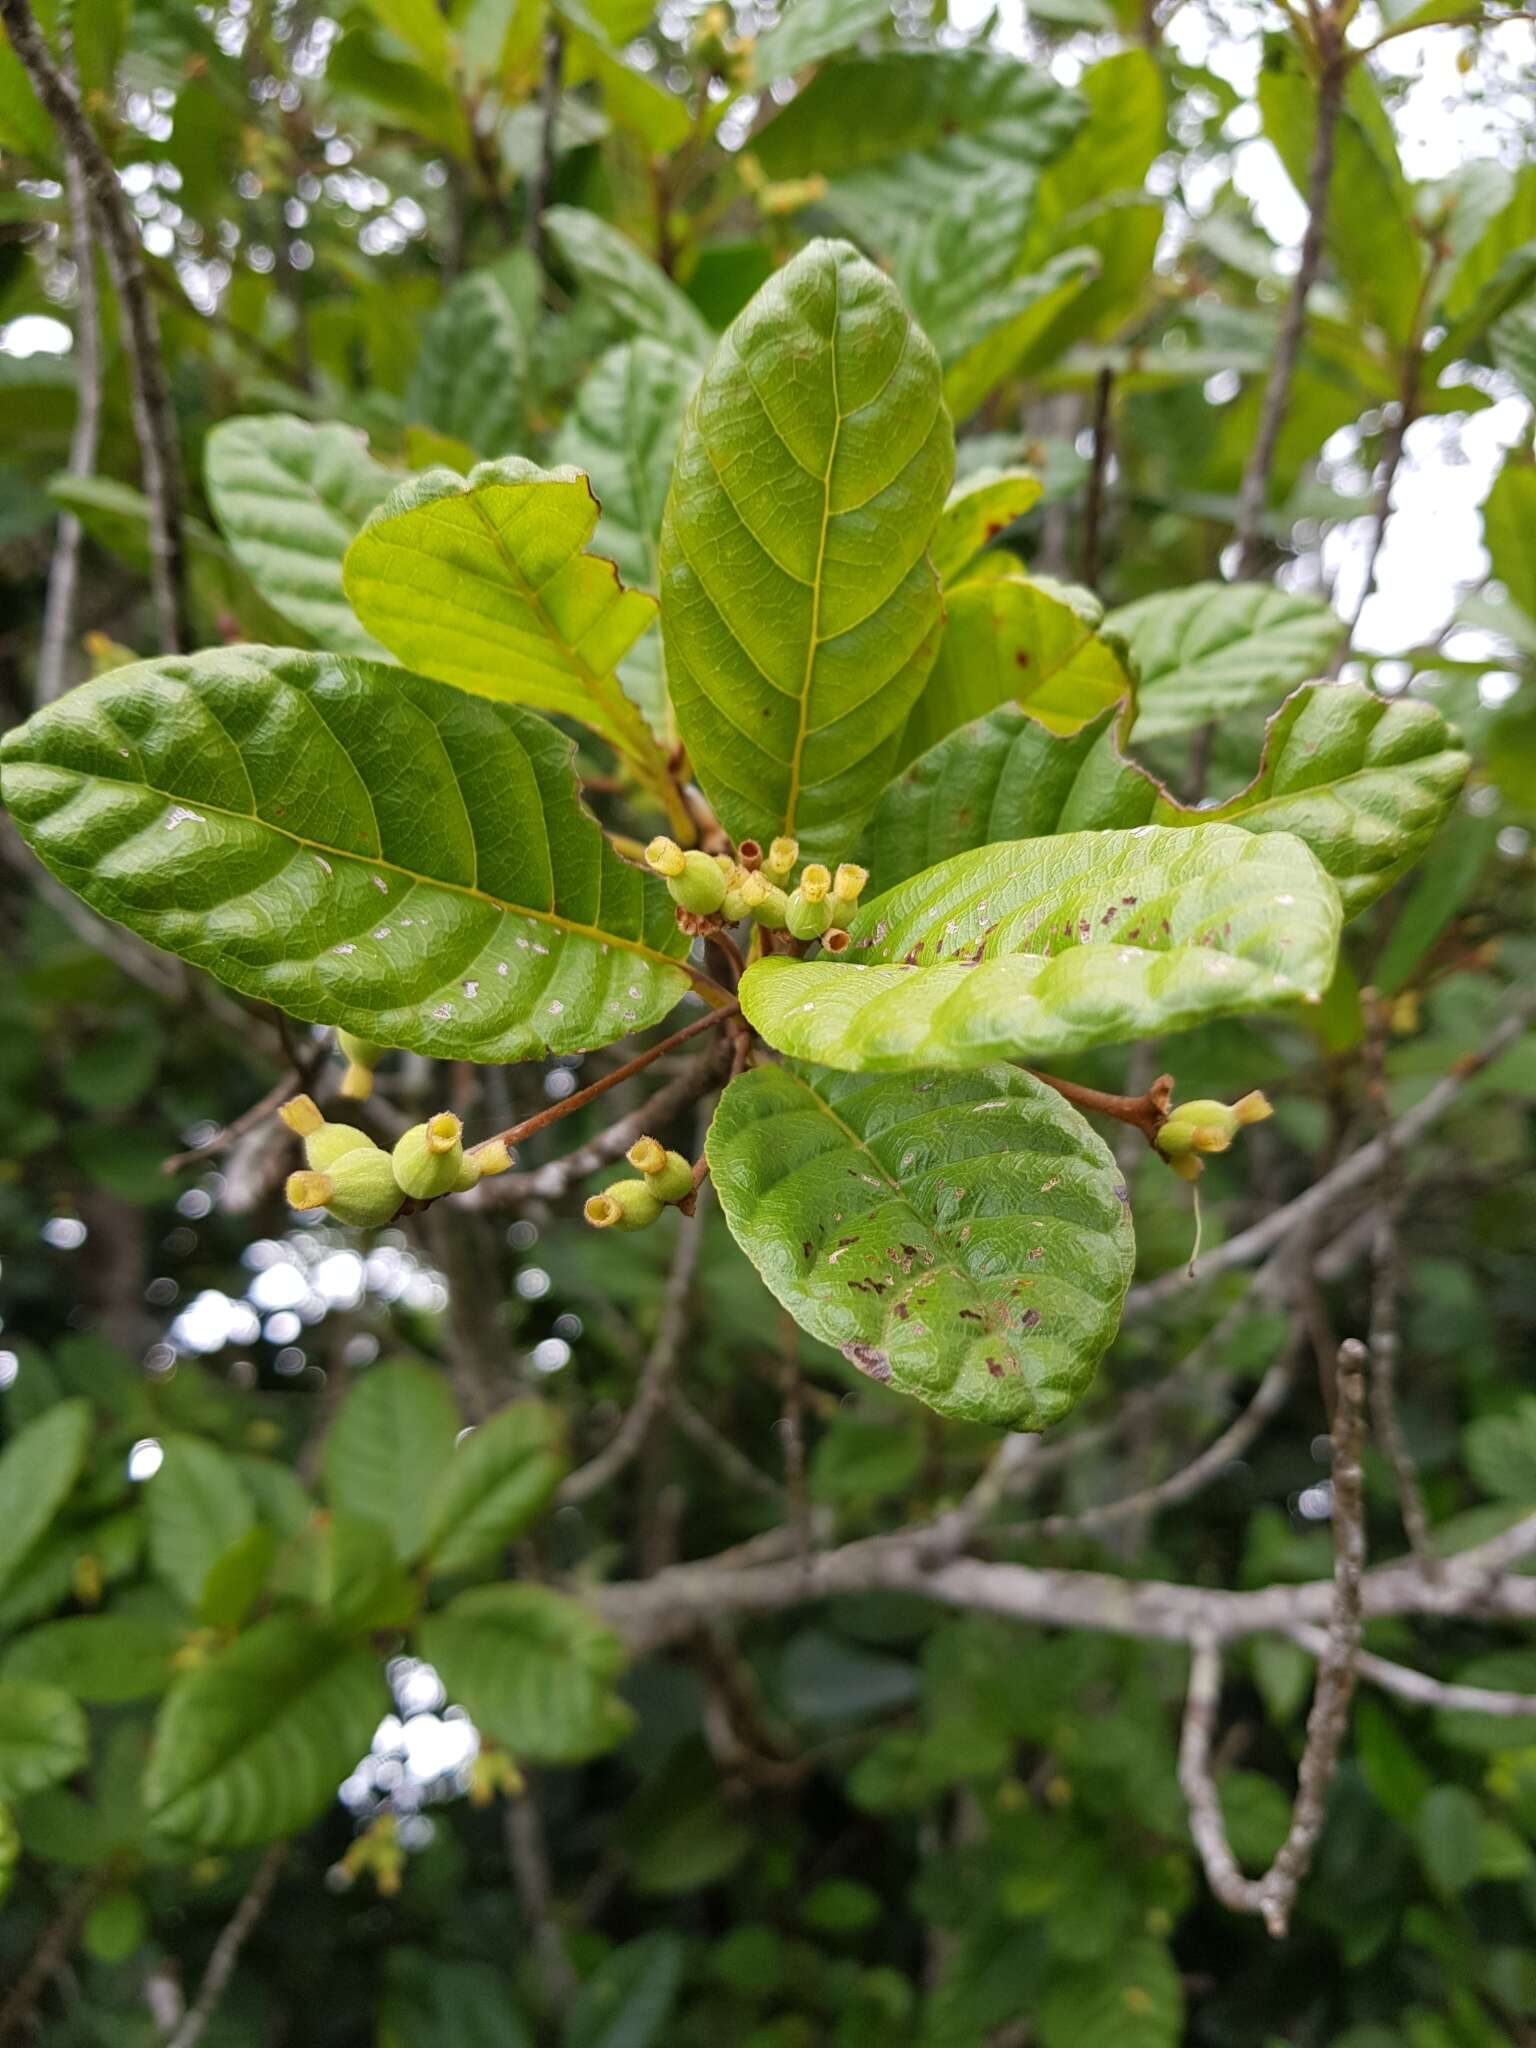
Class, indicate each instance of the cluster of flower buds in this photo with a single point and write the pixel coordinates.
(1198, 1127)
(665, 1177)
(757, 885)
(377, 1853)
(361, 1184)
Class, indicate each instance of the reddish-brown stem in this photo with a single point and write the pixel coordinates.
(518, 1133)
(1146, 1113)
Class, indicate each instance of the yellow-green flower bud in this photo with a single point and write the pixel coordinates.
(1205, 1126)
(665, 856)
(359, 1188)
(807, 916)
(490, 1157)
(668, 1175)
(847, 887)
(362, 1056)
(627, 1205)
(733, 905)
(324, 1143)
(427, 1159)
(700, 887)
(468, 1175)
(779, 860)
(815, 881)
(765, 901)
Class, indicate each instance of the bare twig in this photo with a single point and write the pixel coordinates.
(1357, 1171)
(153, 418)
(557, 1176)
(792, 1423)
(528, 1855)
(1422, 1690)
(655, 1376)
(226, 1950)
(49, 1957)
(64, 573)
(738, 1469)
(1277, 392)
(1093, 507)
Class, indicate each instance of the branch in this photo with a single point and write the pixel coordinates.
(154, 420)
(1273, 1894)
(1358, 1171)
(655, 1377)
(1421, 1690)
(1277, 393)
(549, 1182)
(49, 1957)
(738, 1469)
(1147, 1112)
(528, 1855)
(64, 575)
(226, 1950)
(1093, 508)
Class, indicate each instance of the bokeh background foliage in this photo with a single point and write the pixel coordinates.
(389, 236)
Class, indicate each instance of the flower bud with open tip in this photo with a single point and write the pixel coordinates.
(668, 1175)
(361, 1056)
(627, 1205)
(1205, 1126)
(734, 905)
(490, 1157)
(324, 1143)
(809, 910)
(359, 1188)
(429, 1157)
(693, 879)
(779, 860)
(847, 887)
(765, 901)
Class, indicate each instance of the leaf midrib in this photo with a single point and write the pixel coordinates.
(813, 642)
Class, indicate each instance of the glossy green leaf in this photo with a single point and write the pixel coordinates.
(484, 582)
(811, 30)
(436, 2001)
(471, 376)
(964, 1238)
(800, 612)
(622, 429)
(237, 1580)
(532, 1668)
(196, 1508)
(43, 1737)
(1003, 330)
(103, 1659)
(1215, 648)
(38, 1467)
(1509, 528)
(419, 25)
(1365, 781)
(628, 1999)
(634, 101)
(635, 292)
(1011, 639)
(1131, 1997)
(978, 509)
(1111, 152)
(389, 1447)
(252, 1745)
(248, 810)
(498, 1482)
(396, 93)
(1035, 948)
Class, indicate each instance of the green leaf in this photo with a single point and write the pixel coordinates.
(622, 429)
(1500, 1451)
(362, 73)
(103, 1659)
(1364, 781)
(1131, 1997)
(421, 28)
(333, 837)
(433, 2001)
(237, 1580)
(24, 125)
(252, 1746)
(1010, 638)
(533, 1669)
(197, 1509)
(810, 30)
(483, 582)
(633, 290)
(1004, 330)
(471, 376)
(1509, 528)
(964, 1238)
(800, 612)
(1212, 649)
(629, 1997)
(498, 1482)
(43, 1737)
(10, 1850)
(38, 1467)
(1448, 1832)
(116, 1927)
(389, 1447)
(1111, 152)
(977, 510)
(1035, 948)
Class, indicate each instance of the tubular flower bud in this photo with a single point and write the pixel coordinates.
(665, 856)
(779, 861)
(807, 916)
(490, 1158)
(847, 887)
(324, 1143)
(815, 881)
(428, 1158)
(733, 905)
(668, 1175)
(750, 854)
(694, 880)
(359, 1188)
(627, 1205)
(836, 940)
(765, 901)
(362, 1056)
(1205, 1126)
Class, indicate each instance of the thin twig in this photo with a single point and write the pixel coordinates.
(655, 1376)
(153, 417)
(557, 1176)
(64, 574)
(528, 1856)
(1277, 393)
(1422, 1690)
(792, 1424)
(1093, 507)
(1147, 1112)
(226, 1950)
(542, 183)
(738, 1469)
(49, 1957)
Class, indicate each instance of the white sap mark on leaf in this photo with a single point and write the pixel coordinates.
(471, 989)
(633, 993)
(540, 949)
(1285, 899)
(382, 932)
(346, 949)
(380, 884)
(443, 1012)
(501, 967)
(180, 815)
(1047, 1185)
(557, 1008)
(324, 864)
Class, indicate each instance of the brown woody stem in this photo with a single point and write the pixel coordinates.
(1146, 1113)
